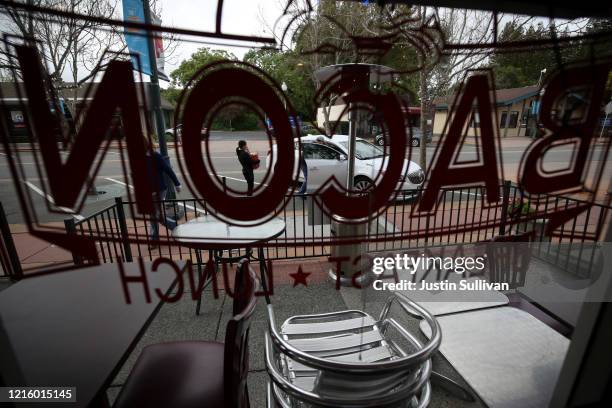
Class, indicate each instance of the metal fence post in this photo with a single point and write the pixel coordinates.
(15, 272)
(71, 230)
(504, 210)
(125, 238)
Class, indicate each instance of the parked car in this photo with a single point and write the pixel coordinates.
(414, 138)
(326, 157)
(306, 129)
(178, 131)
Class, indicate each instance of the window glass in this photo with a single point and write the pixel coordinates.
(512, 119)
(17, 119)
(312, 151)
(365, 150)
(475, 122)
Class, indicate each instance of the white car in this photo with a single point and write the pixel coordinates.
(326, 157)
(178, 131)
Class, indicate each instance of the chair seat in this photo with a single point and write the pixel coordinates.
(186, 374)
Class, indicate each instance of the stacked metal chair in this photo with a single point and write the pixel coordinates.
(350, 359)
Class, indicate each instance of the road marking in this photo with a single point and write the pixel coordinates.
(37, 190)
(118, 182)
(188, 206)
(132, 187)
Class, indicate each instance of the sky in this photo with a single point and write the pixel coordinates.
(243, 17)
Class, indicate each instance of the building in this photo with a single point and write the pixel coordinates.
(515, 112)
(338, 117)
(13, 110)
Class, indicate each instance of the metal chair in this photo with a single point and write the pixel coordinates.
(350, 359)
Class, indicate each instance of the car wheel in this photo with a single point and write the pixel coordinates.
(415, 142)
(362, 184)
(380, 141)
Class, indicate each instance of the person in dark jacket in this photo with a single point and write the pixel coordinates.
(157, 170)
(247, 162)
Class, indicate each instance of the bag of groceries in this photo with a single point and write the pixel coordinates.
(255, 160)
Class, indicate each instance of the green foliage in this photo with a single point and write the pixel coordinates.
(510, 76)
(236, 117)
(350, 20)
(517, 69)
(189, 67)
(171, 94)
(289, 68)
(521, 208)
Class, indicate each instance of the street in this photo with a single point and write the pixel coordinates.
(110, 180)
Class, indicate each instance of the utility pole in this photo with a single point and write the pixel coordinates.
(160, 127)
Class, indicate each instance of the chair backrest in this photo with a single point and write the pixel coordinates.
(236, 354)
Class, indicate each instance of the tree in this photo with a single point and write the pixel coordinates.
(440, 70)
(69, 45)
(233, 115)
(286, 67)
(171, 94)
(524, 68)
(336, 32)
(189, 67)
(517, 69)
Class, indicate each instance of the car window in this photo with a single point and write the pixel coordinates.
(365, 150)
(312, 151)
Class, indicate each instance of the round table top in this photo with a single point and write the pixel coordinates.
(208, 230)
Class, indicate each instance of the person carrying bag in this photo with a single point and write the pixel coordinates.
(249, 162)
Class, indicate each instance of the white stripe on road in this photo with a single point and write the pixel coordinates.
(118, 182)
(132, 187)
(188, 206)
(50, 199)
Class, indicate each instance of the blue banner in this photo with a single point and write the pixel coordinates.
(136, 40)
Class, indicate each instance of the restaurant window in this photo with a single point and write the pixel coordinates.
(17, 119)
(524, 117)
(475, 122)
(512, 120)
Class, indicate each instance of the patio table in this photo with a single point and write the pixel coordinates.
(207, 231)
(440, 303)
(75, 328)
(508, 357)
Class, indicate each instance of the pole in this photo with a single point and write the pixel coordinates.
(154, 87)
(156, 99)
(350, 174)
(604, 126)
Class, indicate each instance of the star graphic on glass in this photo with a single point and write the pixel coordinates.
(299, 277)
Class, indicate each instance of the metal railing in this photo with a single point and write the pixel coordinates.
(9, 258)
(462, 216)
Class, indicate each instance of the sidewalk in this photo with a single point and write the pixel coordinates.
(34, 252)
(506, 142)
